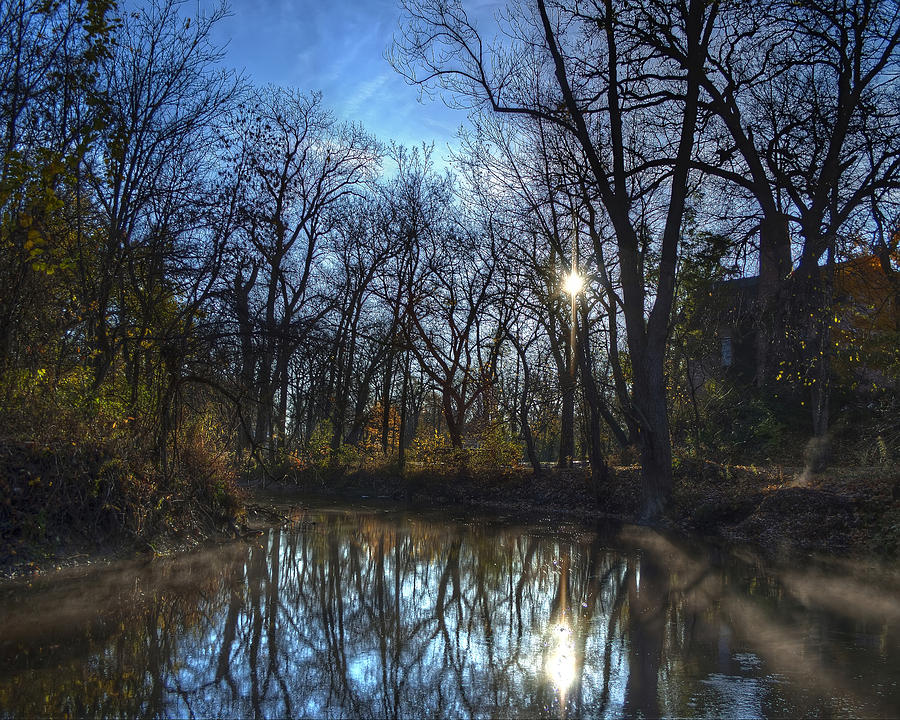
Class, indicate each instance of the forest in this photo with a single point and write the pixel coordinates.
(665, 247)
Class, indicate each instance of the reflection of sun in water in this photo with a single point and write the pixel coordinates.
(561, 660)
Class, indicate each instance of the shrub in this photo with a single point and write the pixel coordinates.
(317, 452)
(430, 448)
(749, 425)
(496, 449)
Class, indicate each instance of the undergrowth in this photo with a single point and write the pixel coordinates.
(83, 478)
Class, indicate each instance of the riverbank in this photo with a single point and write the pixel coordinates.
(67, 502)
(88, 513)
(777, 510)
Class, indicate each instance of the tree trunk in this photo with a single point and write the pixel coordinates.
(597, 411)
(612, 326)
(653, 433)
(265, 401)
(453, 419)
(567, 420)
(567, 390)
(820, 387)
(281, 377)
(248, 358)
(404, 400)
(386, 402)
(360, 409)
(525, 425)
(774, 268)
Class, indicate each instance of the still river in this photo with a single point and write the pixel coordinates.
(381, 613)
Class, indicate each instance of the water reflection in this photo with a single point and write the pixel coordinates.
(378, 615)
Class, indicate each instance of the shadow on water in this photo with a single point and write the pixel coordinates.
(367, 614)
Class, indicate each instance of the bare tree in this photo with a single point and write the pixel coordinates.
(446, 312)
(163, 95)
(633, 113)
(805, 100)
(299, 164)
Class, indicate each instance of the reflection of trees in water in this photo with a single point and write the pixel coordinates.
(369, 617)
(107, 646)
(351, 617)
(381, 622)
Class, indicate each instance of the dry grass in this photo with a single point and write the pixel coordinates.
(73, 487)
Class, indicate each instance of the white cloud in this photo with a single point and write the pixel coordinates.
(337, 46)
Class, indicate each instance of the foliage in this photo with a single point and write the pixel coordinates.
(317, 452)
(495, 450)
(371, 447)
(84, 476)
(748, 425)
(431, 449)
(492, 450)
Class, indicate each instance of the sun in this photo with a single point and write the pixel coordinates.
(573, 283)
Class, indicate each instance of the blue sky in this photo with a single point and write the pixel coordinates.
(338, 46)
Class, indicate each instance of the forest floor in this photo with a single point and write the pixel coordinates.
(844, 511)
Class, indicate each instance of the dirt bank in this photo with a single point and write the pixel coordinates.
(64, 502)
(775, 510)
(778, 510)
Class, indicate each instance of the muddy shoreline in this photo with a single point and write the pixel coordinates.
(839, 517)
(845, 513)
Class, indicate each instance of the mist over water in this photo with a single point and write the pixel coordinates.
(389, 614)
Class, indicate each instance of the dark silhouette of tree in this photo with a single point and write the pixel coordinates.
(296, 164)
(587, 73)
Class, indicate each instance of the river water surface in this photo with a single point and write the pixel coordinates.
(378, 613)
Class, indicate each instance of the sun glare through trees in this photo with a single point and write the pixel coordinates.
(655, 275)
